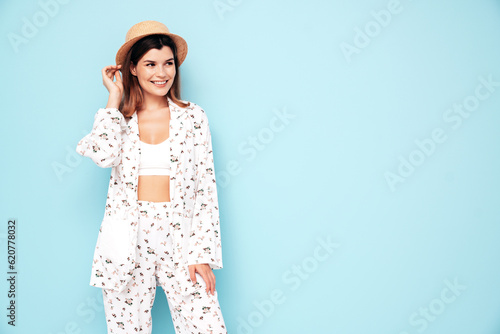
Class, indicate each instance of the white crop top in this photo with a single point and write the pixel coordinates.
(155, 158)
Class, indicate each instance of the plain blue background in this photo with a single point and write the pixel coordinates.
(365, 84)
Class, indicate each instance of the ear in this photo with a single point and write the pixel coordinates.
(133, 70)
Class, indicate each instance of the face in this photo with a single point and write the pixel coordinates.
(153, 69)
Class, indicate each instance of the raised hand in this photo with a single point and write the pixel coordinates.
(115, 88)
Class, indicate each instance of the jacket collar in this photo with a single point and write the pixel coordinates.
(175, 112)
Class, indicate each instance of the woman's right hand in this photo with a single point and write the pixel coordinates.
(114, 88)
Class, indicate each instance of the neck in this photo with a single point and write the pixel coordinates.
(152, 102)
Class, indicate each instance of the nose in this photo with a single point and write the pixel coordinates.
(160, 71)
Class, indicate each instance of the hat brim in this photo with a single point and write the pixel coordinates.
(180, 45)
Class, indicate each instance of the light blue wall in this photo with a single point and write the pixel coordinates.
(366, 139)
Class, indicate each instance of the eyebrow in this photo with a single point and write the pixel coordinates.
(152, 61)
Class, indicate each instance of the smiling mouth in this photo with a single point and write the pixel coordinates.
(159, 82)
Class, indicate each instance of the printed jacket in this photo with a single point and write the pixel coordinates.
(114, 142)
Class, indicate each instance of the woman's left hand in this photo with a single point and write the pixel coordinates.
(206, 273)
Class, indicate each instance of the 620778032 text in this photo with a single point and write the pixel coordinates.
(11, 273)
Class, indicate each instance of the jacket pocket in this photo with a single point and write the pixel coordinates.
(114, 239)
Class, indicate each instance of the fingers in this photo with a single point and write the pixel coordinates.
(212, 282)
(209, 278)
(192, 274)
(118, 74)
(206, 273)
(208, 284)
(110, 71)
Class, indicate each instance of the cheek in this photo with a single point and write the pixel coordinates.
(147, 72)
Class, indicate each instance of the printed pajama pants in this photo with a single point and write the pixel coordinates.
(130, 311)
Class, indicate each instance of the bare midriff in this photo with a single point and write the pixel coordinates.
(154, 130)
(154, 188)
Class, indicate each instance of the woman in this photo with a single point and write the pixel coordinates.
(161, 222)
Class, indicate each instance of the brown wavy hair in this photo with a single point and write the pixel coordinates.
(133, 98)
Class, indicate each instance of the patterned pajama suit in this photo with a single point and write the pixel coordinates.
(139, 241)
(130, 310)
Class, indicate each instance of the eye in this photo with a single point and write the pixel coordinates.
(150, 64)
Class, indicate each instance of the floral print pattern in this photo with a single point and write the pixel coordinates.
(129, 311)
(196, 238)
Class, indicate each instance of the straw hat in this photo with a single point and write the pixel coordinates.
(147, 28)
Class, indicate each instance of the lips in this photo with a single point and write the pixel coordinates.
(160, 84)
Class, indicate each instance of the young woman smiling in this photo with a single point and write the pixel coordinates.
(161, 222)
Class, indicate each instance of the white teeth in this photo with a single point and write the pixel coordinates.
(159, 82)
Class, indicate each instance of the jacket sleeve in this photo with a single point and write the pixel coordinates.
(205, 237)
(103, 143)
